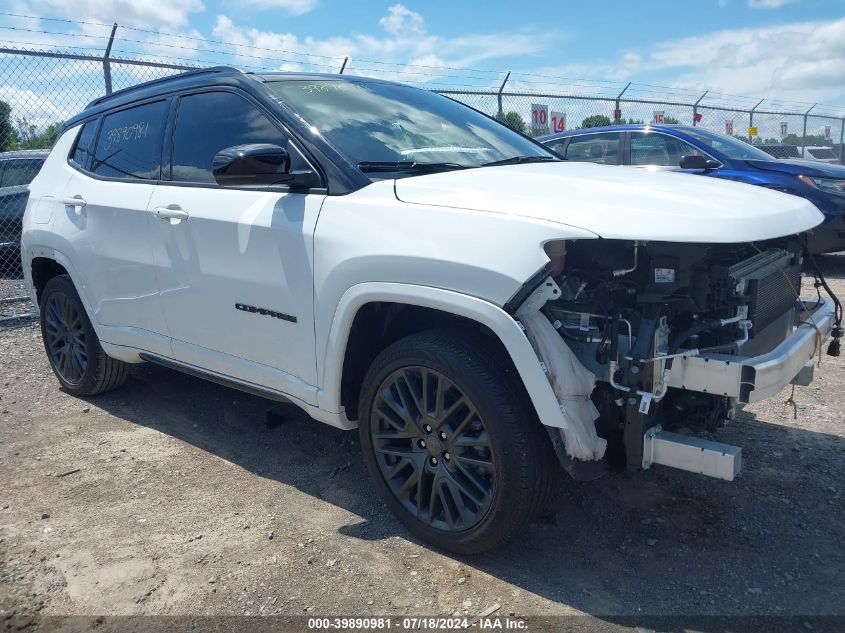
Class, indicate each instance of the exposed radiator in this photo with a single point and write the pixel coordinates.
(770, 281)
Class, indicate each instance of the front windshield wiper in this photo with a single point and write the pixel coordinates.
(406, 165)
(519, 160)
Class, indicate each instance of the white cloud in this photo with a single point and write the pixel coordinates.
(294, 7)
(799, 61)
(802, 62)
(39, 110)
(405, 40)
(767, 4)
(402, 21)
(138, 13)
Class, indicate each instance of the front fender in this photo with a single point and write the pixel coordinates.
(330, 362)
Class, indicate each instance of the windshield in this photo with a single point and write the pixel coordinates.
(381, 125)
(728, 145)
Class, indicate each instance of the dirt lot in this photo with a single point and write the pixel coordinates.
(176, 496)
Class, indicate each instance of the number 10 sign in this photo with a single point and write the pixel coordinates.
(539, 117)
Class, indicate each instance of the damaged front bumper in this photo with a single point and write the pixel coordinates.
(755, 378)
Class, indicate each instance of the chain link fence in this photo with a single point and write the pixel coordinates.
(41, 89)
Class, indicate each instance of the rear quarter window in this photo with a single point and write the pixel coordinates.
(129, 143)
(83, 150)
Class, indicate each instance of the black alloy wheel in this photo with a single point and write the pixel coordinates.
(432, 448)
(73, 349)
(64, 338)
(452, 442)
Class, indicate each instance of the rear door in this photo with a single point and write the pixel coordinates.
(117, 161)
(235, 264)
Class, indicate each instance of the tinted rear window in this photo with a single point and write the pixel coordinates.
(129, 143)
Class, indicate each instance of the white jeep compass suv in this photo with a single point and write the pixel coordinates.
(487, 315)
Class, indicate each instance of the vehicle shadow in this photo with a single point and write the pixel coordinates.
(626, 548)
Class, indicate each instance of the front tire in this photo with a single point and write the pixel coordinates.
(73, 349)
(452, 442)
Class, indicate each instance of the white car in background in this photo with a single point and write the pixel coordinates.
(823, 154)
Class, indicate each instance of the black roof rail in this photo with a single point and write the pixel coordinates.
(189, 73)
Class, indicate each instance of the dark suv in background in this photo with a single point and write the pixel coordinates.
(17, 169)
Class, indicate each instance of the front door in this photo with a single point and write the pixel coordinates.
(234, 265)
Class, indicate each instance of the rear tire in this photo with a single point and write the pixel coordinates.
(73, 349)
(451, 441)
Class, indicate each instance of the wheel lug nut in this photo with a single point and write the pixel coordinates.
(434, 461)
(442, 435)
(427, 428)
(446, 456)
(422, 443)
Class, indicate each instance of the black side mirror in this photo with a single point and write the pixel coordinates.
(257, 164)
(696, 161)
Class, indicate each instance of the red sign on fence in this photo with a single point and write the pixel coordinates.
(729, 128)
(827, 132)
(658, 117)
(558, 120)
(539, 117)
(784, 126)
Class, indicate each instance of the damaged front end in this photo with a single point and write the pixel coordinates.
(648, 344)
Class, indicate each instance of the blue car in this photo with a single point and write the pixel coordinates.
(694, 150)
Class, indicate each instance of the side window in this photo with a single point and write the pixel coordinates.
(594, 148)
(659, 149)
(83, 151)
(209, 122)
(557, 146)
(20, 172)
(129, 143)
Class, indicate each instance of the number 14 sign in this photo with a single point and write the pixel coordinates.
(542, 120)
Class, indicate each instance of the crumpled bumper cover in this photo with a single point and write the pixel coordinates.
(755, 378)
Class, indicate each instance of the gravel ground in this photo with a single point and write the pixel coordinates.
(176, 496)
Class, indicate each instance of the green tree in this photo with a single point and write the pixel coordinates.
(670, 120)
(630, 121)
(28, 136)
(8, 135)
(810, 140)
(596, 120)
(512, 120)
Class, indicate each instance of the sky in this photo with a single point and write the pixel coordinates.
(790, 51)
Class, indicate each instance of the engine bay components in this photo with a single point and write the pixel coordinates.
(677, 336)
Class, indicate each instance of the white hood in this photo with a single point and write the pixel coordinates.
(619, 202)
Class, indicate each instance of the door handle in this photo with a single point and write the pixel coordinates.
(171, 212)
(77, 202)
